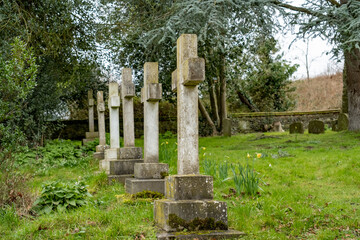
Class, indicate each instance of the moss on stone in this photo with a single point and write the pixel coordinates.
(148, 194)
(197, 224)
(164, 174)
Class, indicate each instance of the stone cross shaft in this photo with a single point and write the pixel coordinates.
(127, 94)
(151, 95)
(185, 79)
(101, 117)
(114, 104)
(91, 111)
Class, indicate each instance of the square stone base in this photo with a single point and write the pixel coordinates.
(119, 178)
(112, 154)
(201, 235)
(151, 170)
(133, 185)
(91, 135)
(130, 153)
(123, 166)
(102, 148)
(188, 210)
(87, 140)
(98, 155)
(104, 165)
(189, 187)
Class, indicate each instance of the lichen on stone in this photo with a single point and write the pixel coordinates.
(197, 224)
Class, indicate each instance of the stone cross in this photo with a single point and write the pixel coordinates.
(151, 95)
(127, 94)
(101, 118)
(189, 73)
(189, 195)
(149, 175)
(91, 111)
(114, 104)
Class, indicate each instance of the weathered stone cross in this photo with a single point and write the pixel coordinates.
(149, 175)
(100, 149)
(91, 135)
(189, 195)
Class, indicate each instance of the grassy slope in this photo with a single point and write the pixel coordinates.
(311, 194)
(319, 93)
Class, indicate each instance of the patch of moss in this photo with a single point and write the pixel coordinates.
(148, 194)
(197, 224)
(164, 174)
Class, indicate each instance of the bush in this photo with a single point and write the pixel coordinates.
(58, 196)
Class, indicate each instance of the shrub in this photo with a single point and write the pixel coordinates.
(59, 196)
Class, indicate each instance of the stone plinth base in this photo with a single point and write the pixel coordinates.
(151, 170)
(201, 235)
(119, 178)
(130, 153)
(189, 187)
(100, 151)
(104, 165)
(172, 215)
(123, 166)
(112, 154)
(98, 155)
(102, 148)
(133, 185)
(91, 135)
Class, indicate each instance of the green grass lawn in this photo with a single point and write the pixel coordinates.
(310, 190)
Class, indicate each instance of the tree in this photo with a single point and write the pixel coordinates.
(264, 76)
(148, 30)
(339, 22)
(62, 36)
(17, 81)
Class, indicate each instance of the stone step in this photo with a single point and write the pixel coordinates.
(134, 185)
(123, 166)
(119, 178)
(211, 235)
(170, 215)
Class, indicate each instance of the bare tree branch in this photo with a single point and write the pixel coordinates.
(334, 2)
(297, 9)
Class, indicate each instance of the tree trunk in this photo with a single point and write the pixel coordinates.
(205, 114)
(244, 100)
(222, 97)
(352, 61)
(213, 102)
(345, 104)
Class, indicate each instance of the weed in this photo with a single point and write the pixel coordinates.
(58, 196)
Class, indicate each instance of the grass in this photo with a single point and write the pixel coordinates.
(310, 190)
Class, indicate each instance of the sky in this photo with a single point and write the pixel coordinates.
(319, 55)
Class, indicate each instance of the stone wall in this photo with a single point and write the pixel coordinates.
(75, 129)
(260, 121)
(241, 123)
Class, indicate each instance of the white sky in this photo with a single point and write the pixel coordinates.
(319, 62)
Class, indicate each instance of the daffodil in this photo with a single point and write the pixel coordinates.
(167, 142)
(203, 148)
(248, 155)
(258, 155)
